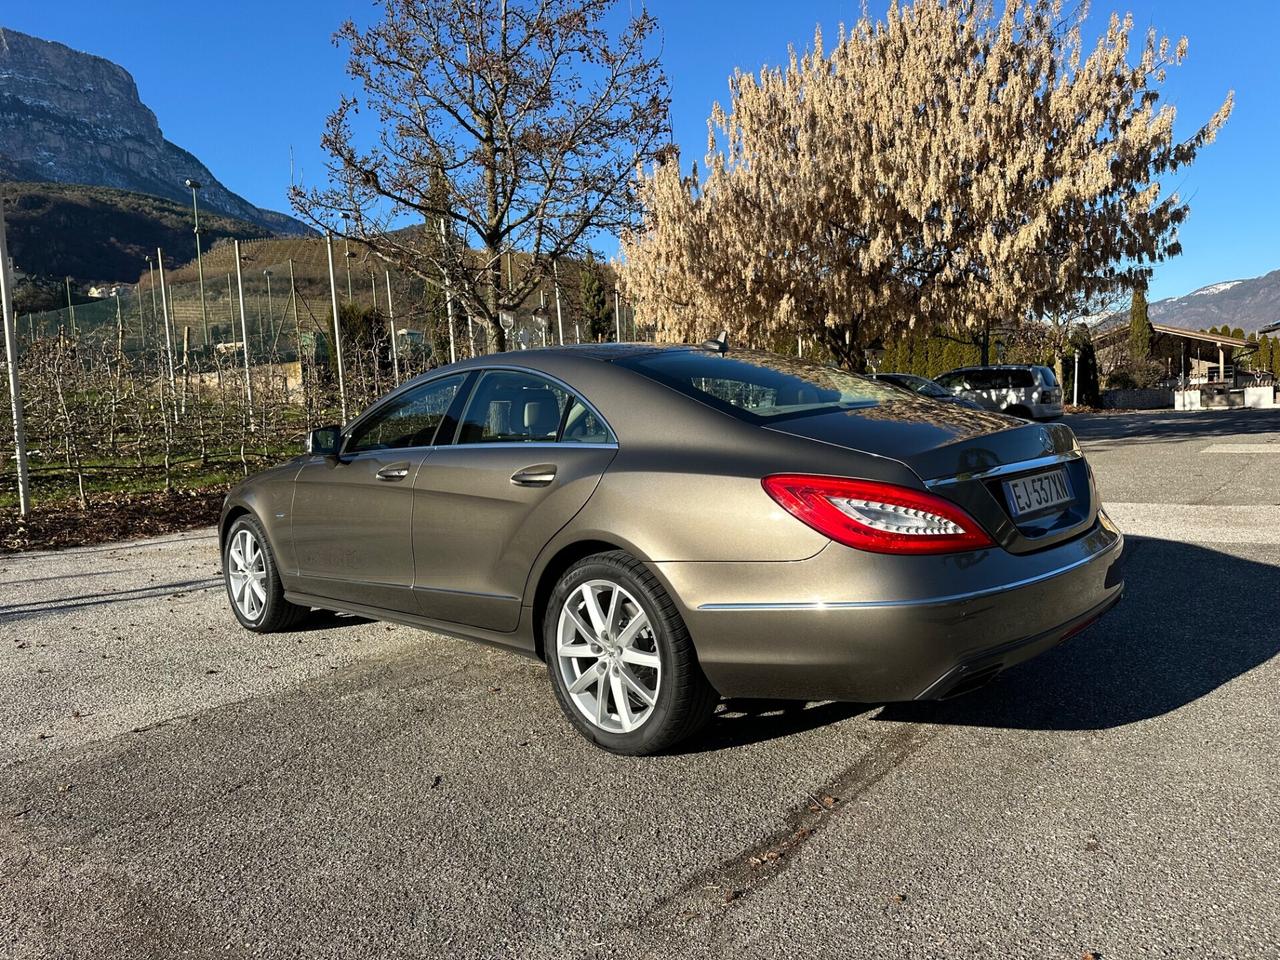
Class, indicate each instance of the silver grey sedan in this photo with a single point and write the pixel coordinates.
(665, 526)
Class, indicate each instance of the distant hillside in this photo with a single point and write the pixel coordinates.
(70, 117)
(96, 234)
(1247, 304)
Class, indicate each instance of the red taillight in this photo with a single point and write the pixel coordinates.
(881, 517)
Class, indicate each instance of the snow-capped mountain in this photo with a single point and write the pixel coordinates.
(1248, 304)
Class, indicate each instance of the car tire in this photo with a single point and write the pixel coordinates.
(253, 581)
(643, 653)
(1019, 411)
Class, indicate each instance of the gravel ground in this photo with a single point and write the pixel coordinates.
(172, 786)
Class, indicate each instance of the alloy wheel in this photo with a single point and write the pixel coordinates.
(608, 656)
(247, 574)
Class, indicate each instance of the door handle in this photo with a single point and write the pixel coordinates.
(539, 475)
(396, 471)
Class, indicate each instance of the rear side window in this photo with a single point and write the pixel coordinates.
(582, 425)
(759, 386)
(510, 406)
(1021, 378)
(1047, 376)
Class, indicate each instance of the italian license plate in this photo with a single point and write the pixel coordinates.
(1040, 491)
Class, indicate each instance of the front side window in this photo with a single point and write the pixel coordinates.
(409, 421)
(760, 386)
(511, 406)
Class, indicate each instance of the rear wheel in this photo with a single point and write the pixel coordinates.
(1019, 411)
(621, 661)
(253, 582)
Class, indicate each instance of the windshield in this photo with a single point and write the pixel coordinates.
(928, 388)
(759, 386)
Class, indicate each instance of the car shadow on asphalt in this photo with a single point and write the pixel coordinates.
(326, 620)
(740, 722)
(1192, 619)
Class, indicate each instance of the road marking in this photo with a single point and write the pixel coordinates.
(1242, 448)
(1199, 523)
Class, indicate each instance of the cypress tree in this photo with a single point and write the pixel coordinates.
(1139, 327)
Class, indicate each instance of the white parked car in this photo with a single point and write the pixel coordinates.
(1030, 392)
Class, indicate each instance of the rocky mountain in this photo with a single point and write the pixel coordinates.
(1248, 304)
(70, 117)
(100, 235)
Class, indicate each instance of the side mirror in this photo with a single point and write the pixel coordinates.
(325, 441)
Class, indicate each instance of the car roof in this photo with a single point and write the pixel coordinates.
(1001, 366)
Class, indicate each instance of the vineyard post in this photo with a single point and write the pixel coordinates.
(391, 319)
(11, 357)
(555, 274)
(448, 296)
(337, 328)
(168, 335)
(244, 341)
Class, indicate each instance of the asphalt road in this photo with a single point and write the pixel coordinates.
(172, 786)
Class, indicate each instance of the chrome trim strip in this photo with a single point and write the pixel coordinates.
(419, 588)
(924, 602)
(1003, 470)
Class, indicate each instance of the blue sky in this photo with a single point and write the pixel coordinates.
(239, 84)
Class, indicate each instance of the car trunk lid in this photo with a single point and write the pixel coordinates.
(966, 456)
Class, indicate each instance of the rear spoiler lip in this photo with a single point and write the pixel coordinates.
(1005, 469)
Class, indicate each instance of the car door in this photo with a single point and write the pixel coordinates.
(528, 455)
(353, 513)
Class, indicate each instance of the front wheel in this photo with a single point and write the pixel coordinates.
(253, 582)
(621, 661)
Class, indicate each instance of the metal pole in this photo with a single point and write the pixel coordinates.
(555, 275)
(15, 387)
(71, 309)
(204, 311)
(346, 259)
(168, 337)
(115, 292)
(297, 328)
(337, 328)
(1075, 383)
(448, 296)
(391, 320)
(155, 311)
(244, 340)
(271, 320)
(297, 334)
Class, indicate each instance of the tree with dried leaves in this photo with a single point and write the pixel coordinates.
(531, 112)
(947, 166)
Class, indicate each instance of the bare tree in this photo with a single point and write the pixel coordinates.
(517, 123)
(948, 166)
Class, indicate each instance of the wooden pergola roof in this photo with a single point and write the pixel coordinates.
(1217, 339)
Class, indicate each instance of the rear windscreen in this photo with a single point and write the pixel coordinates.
(760, 385)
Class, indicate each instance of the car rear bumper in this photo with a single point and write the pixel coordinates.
(847, 625)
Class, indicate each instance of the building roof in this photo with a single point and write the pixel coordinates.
(1217, 339)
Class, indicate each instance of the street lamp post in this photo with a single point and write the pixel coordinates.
(195, 211)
